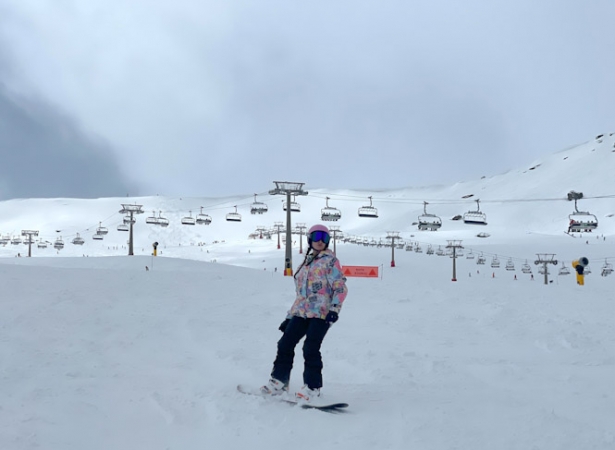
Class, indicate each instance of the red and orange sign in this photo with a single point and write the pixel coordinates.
(360, 271)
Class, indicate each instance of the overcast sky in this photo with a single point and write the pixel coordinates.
(203, 97)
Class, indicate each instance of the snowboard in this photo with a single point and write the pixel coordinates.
(331, 407)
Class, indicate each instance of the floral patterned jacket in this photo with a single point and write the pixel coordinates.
(321, 287)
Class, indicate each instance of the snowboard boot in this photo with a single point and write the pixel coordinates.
(307, 395)
(274, 387)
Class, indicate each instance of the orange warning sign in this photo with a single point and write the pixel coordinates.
(360, 271)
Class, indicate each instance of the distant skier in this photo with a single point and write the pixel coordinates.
(321, 291)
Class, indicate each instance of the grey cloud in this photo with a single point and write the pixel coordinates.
(45, 154)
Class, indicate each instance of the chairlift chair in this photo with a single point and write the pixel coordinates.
(330, 214)
(5, 240)
(203, 219)
(123, 227)
(58, 244)
(495, 262)
(16, 240)
(294, 206)
(470, 255)
(42, 244)
(581, 221)
(152, 220)
(429, 250)
(510, 265)
(481, 259)
(78, 240)
(368, 211)
(409, 247)
(607, 269)
(475, 217)
(429, 222)
(440, 252)
(233, 216)
(189, 220)
(101, 230)
(128, 220)
(564, 270)
(526, 268)
(162, 221)
(258, 207)
(418, 249)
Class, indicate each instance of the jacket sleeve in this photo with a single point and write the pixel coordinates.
(337, 281)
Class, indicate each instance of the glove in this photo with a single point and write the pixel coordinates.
(331, 318)
(283, 325)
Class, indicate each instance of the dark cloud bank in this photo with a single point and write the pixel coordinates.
(45, 154)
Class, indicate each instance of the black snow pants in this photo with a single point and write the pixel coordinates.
(314, 331)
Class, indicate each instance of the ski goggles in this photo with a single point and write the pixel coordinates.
(316, 236)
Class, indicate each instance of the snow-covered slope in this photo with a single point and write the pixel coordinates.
(140, 352)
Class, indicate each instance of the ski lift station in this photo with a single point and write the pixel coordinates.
(368, 211)
(429, 222)
(475, 217)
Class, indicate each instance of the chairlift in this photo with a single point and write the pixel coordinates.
(440, 252)
(495, 262)
(123, 227)
(258, 207)
(16, 240)
(97, 237)
(5, 240)
(368, 211)
(564, 270)
(152, 220)
(510, 265)
(607, 269)
(587, 270)
(429, 222)
(59, 243)
(330, 214)
(481, 259)
(418, 249)
(581, 221)
(429, 250)
(128, 220)
(78, 240)
(475, 217)
(42, 244)
(189, 220)
(470, 255)
(541, 270)
(233, 216)
(203, 219)
(409, 247)
(162, 221)
(294, 206)
(526, 268)
(101, 230)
